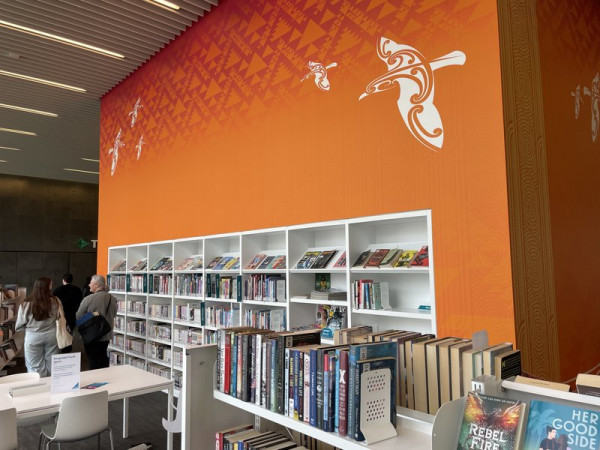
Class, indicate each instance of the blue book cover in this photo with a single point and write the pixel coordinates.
(554, 426)
(336, 416)
(326, 396)
(234, 360)
(313, 387)
(361, 352)
(295, 376)
(274, 370)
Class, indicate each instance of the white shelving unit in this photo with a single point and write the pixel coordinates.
(161, 304)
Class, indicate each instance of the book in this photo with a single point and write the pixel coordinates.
(163, 264)
(329, 294)
(543, 383)
(140, 265)
(330, 318)
(222, 434)
(389, 261)
(376, 257)
(421, 259)
(552, 425)
(214, 263)
(491, 423)
(420, 373)
(265, 263)
(322, 281)
(406, 258)
(435, 375)
(222, 262)
(323, 259)
(456, 368)
(488, 354)
(341, 261)
(362, 259)
(472, 362)
(186, 263)
(120, 266)
(255, 262)
(307, 259)
(232, 264)
(507, 365)
(588, 384)
(277, 263)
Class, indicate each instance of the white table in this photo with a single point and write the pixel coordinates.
(123, 382)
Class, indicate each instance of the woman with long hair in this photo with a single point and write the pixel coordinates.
(38, 315)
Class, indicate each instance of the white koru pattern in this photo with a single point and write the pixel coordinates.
(594, 94)
(578, 100)
(413, 74)
(134, 112)
(115, 152)
(139, 146)
(319, 71)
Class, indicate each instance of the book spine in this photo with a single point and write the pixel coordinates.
(320, 374)
(234, 365)
(351, 391)
(296, 380)
(313, 388)
(256, 384)
(240, 366)
(208, 285)
(274, 370)
(332, 383)
(326, 375)
(336, 380)
(239, 288)
(268, 345)
(217, 286)
(263, 375)
(343, 382)
(306, 391)
(286, 382)
(218, 441)
(300, 386)
(220, 362)
(279, 375)
(247, 366)
(227, 363)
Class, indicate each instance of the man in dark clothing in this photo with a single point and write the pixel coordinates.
(71, 297)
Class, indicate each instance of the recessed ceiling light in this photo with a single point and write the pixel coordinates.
(10, 130)
(11, 148)
(164, 3)
(41, 81)
(92, 160)
(28, 110)
(1, 161)
(84, 171)
(62, 40)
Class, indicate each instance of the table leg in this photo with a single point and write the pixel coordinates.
(170, 417)
(125, 418)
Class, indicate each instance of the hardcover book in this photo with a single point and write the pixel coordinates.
(214, 263)
(422, 258)
(307, 260)
(341, 261)
(588, 384)
(554, 426)
(119, 266)
(390, 258)
(362, 259)
(323, 259)
(491, 423)
(265, 263)
(255, 262)
(406, 258)
(277, 263)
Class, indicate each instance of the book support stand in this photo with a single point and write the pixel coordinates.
(375, 388)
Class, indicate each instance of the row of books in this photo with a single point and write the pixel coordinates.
(265, 288)
(158, 331)
(369, 294)
(268, 319)
(189, 285)
(121, 265)
(117, 282)
(164, 264)
(224, 287)
(221, 316)
(262, 261)
(291, 373)
(190, 312)
(224, 263)
(321, 259)
(162, 285)
(193, 262)
(7, 311)
(245, 437)
(391, 258)
(187, 336)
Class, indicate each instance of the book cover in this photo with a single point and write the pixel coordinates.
(341, 261)
(323, 259)
(222, 262)
(214, 263)
(489, 366)
(507, 365)
(231, 264)
(376, 257)
(406, 258)
(554, 426)
(265, 263)
(362, 259)
(186, 263)
(390, 258)
(119, 266)
(456, 368)
(491, 423)
(277, 263)
(255, 262)
(422, 257)
(307, 259)
(322, 281)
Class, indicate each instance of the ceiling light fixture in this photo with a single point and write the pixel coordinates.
(62, 40)
(41, 81)
(11, 148)
(1, 161)
(92, 160)
(28, 110)
(84, 171)
(164, 3)
(10, 130)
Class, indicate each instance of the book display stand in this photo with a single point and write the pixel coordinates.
(375, 407)
(163, 311)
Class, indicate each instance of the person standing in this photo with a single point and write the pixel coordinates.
(38, 315)
(104, 304)
(70, 296)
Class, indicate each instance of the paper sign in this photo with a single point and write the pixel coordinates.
(66, 372)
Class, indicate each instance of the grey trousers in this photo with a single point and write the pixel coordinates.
(39, 348)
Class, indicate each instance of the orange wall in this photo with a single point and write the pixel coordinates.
(570, 56)
(235, 141)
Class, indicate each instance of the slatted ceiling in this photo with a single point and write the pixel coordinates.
(135, 28)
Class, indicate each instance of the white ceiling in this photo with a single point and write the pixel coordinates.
(135, 28)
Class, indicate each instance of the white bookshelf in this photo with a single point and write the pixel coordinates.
(409, 287)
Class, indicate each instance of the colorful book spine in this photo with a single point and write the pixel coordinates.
(343, 401)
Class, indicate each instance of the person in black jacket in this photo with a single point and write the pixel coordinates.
(70, 296)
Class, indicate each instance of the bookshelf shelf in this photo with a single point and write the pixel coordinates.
(136, 335)
(159, 340)
(408, 287)
(407, 437)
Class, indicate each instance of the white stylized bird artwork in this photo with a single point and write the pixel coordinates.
(319, 71)
(578, 100)
(134, 112)
(115, 152)
(594, 94)
(139, 146)
(412, 74)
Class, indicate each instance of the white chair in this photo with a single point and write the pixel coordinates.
(19, 377)
(8, 429)
(80, 417)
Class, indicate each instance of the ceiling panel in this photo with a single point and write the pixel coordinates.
(136, 29)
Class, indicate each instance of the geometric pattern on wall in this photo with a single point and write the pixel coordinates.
(229, 70)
